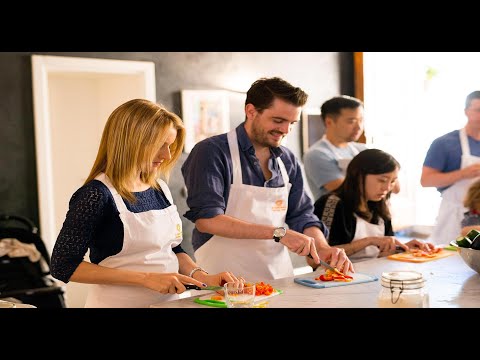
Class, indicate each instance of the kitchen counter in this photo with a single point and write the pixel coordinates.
(449, 282)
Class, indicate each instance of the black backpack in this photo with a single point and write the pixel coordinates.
(18, 275)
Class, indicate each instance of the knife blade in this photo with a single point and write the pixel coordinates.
(328, 266)
(195, 287)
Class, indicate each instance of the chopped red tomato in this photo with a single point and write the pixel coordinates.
(325, 278)
(334, 276)
(262, 288)
(422, 253)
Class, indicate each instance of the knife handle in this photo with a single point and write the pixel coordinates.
(192, 287)
(323, 263)
(399, 249)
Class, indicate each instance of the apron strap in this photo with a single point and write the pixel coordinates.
(283, 170)
(353, 149)
(235, 156)
(334, 150)
(166, 190)
(116, 196)
(464, 142)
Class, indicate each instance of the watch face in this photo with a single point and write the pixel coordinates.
(279, 232)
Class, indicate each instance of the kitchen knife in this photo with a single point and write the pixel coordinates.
(195, 287)
(328, 266)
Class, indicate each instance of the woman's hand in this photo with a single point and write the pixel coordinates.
(420, 245)
(388, 244)
(169, 283)
(222, 278)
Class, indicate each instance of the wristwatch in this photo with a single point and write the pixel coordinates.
(279, 233)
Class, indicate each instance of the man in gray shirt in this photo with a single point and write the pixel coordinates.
(326, 161)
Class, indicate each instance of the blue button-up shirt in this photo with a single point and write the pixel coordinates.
(208, 177)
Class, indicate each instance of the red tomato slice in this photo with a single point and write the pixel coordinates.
(326, 278)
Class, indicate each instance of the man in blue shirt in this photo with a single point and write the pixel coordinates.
(243, 187)
(451, 164)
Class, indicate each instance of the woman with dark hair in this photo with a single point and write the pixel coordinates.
(357, 213)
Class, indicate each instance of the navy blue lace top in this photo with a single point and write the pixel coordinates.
(93, 222)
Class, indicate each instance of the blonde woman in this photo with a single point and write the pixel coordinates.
(124, 214)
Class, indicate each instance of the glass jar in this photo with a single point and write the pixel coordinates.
(403, 289)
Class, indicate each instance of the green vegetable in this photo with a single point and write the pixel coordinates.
(473, 234)
(464, 241)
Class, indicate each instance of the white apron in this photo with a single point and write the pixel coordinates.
(365, 229)
(341, 161)
(450, 214)
(254, 259)
(147, 246)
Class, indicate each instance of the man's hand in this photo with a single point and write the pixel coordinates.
(300, 244)
(337, 258)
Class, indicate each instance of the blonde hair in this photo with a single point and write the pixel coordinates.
(134, 133)
(472, 197)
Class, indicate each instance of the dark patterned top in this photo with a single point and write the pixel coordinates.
(340, 219)
(93, 223)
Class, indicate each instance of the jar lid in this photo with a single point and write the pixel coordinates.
(405, 279)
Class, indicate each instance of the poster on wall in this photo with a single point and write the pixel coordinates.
(205, 113)
(313, 127)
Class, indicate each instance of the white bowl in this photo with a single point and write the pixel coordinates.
(471, 258)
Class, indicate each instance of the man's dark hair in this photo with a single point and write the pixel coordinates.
(335, 105)
(472, 96)
(263, 91)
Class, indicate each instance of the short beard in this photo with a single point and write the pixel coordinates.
(260, 137)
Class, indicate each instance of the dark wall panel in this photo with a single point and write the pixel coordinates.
(18, 192)
(322, 75)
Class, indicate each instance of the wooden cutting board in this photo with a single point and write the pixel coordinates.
(358, 278)
(409, 257)
(207, 299)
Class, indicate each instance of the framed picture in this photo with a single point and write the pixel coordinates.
(205, 113)
(313, 127)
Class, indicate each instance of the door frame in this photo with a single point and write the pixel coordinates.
(42, 66)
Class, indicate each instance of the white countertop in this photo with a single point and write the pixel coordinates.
(449, 281)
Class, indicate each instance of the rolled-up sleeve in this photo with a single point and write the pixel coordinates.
(205, 173)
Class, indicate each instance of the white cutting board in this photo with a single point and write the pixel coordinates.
(310, 281)
(203, 300)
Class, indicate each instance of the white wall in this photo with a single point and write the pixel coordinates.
(405, 110)
(79, 107)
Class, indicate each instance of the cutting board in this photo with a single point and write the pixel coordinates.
(207, 299)
(358, 278)
(406, 256)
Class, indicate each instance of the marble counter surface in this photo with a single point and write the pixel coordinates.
(449, 282)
